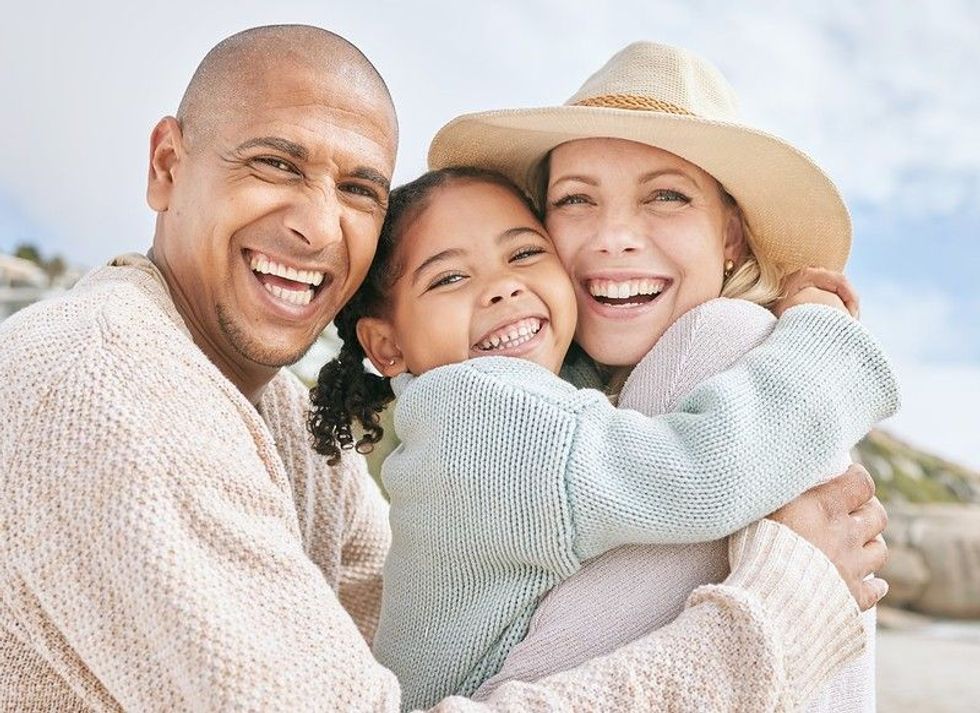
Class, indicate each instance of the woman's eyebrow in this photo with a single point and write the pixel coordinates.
(438, 257)
(512, 233)
(652, 175)
(588, 180)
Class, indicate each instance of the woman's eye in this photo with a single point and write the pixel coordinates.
(572, 199)
(669, 196)
(278, 164)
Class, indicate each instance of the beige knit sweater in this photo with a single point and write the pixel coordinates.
(164, 545)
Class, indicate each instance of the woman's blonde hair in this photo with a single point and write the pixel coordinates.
(755, 278)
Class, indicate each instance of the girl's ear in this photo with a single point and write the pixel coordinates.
(734, 236)
(377, 338)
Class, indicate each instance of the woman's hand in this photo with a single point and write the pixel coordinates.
(844, 519)
(816, 285)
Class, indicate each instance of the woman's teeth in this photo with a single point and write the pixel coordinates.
(513, 335)
(635, 291)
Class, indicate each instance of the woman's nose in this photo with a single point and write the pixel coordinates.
(618, 232)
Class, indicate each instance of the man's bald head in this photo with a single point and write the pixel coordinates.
(246, 63)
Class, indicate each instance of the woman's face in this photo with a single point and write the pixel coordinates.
(644, 236)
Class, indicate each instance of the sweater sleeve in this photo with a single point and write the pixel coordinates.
(764, 639)
(790, 407)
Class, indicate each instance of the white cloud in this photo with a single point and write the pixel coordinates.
(940, 410)
(919, 324)
(933, 340)
(881, 92)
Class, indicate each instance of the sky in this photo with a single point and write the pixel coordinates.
(883, 95)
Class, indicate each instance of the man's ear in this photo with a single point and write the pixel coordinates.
(377, 338)
(735, 247)
(166, 150)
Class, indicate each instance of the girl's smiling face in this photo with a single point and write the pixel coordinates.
(479, 277)
(644, 236)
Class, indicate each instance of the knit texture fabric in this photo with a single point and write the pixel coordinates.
(634, 589)
(507, 478)
(166, 546)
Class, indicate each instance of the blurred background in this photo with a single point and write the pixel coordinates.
(882, 94)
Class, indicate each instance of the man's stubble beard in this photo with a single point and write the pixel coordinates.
(252, 349)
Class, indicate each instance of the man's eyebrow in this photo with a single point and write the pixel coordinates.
(445, 254)
(370, 174)
(278, 143)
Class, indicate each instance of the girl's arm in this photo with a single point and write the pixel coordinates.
(790, 406)
(504, 438)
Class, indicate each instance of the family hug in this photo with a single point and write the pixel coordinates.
(624, 369)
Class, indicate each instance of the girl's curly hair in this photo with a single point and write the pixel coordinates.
(345, 390)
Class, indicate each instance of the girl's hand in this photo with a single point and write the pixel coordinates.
(817, 285)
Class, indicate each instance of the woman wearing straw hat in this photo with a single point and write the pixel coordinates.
(658, 199)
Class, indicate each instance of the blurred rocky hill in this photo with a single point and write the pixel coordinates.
(905, 474)
(933, 531)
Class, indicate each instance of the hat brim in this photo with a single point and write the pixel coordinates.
(795, 212)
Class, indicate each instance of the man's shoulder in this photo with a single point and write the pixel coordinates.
(105, 303)
(108, 335)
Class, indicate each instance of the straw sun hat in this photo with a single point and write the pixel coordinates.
(672, 99)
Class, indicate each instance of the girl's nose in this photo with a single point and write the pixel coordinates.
(503, 288)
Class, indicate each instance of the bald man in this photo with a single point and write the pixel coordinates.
(170, 541)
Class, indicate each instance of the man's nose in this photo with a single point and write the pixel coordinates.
(315, 218)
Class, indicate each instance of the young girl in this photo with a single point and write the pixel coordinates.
(507, 477)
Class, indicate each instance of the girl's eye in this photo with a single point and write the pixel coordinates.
(278, 164)
(444, 280)
(665, 195)
(571, 199)
(528, 252)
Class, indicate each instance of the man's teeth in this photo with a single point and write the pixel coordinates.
(626, 288)
(262, 264)
(296, 297)
(513, 335)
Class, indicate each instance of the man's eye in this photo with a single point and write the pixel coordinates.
(278, 164)
(572, 199)
(359, 189)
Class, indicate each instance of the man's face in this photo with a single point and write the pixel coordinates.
(273, 214)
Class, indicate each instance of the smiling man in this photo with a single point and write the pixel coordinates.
(168, 538)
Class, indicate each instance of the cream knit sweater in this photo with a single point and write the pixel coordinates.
(164, 545)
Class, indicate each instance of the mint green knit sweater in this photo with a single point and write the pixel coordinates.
(507, 478)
